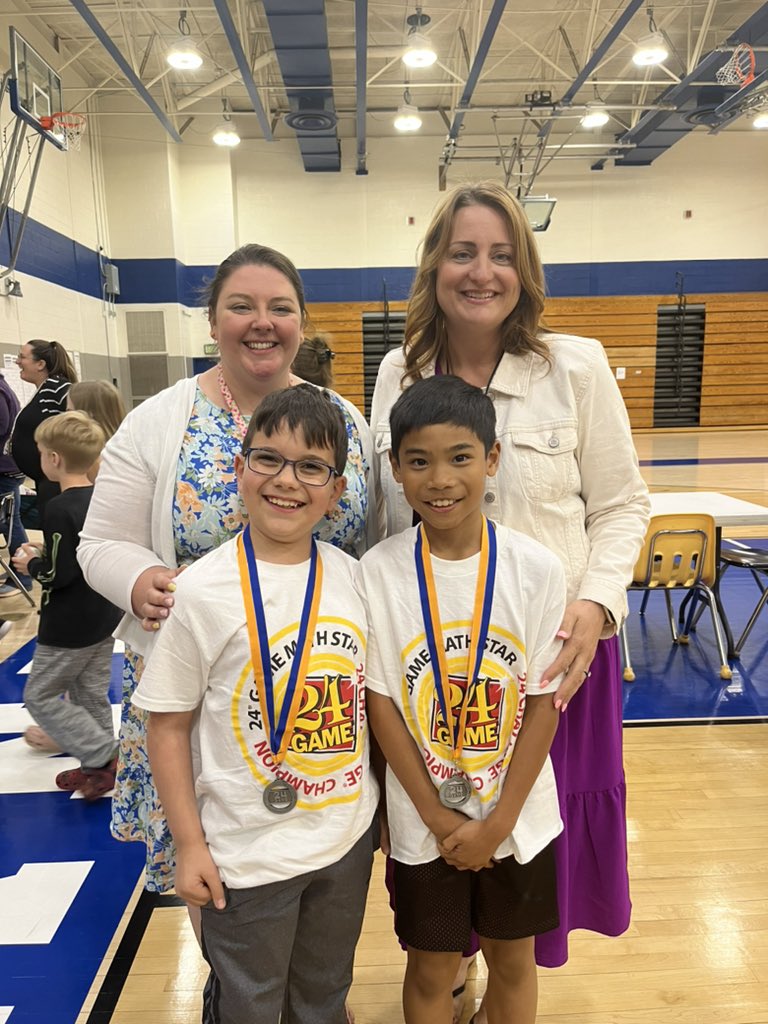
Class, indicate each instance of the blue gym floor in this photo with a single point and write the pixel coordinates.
(64, 883)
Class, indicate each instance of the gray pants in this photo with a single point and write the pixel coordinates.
(284, 951)
(82, 725)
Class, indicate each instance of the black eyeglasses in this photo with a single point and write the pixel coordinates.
(311, 472)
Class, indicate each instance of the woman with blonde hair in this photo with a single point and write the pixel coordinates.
(568, 477)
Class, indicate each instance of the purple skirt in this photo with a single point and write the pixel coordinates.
(591, 852)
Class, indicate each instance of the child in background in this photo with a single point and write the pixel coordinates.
(471, 795)
(314, 361)
(257, 731)
(74, 644)
(103, 403)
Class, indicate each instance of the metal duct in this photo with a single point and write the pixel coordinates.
(300, 37)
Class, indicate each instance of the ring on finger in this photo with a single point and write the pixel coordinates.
(586, 673)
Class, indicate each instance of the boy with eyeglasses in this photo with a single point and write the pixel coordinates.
(257, 732)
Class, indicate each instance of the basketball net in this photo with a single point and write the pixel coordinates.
(739, 69)
(67, 125)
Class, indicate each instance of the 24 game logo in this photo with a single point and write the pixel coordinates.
(484, 714)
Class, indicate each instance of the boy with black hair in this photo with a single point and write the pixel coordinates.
(74, 640)
(257, 732)
(471, 794)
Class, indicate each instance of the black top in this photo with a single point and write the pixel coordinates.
(49, 400)
(71, 614)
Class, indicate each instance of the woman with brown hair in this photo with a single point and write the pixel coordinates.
(568, 477)
(46, 365)
(166, 494)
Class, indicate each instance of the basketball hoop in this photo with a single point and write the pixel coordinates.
(739, 69)
(67, 125)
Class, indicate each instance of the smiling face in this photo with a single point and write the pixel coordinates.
(443, 469)
(282, 511)
(257, 323)
(477, 284)
(33, 371)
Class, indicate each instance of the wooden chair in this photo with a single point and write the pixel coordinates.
(678, 554)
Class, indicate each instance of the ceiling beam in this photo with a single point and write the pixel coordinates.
(242, 62)
(105, 39)
(477, 65)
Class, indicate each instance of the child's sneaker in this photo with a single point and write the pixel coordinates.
(99, 781)
(92, 783)
(72, 779)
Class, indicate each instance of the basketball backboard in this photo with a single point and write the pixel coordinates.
(538, 210)
(35, 88)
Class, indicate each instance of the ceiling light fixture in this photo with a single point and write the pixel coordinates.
(226, 134)
(184, 55)
(419, 52)
(761, 121)
(651, 48)
(408, 119)
(595, 117)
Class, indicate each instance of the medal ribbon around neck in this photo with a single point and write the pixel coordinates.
(279, 730)
(481, 617)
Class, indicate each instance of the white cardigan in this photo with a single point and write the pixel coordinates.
(569, 474)
(129, 526)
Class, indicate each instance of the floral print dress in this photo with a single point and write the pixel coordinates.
(206, 512)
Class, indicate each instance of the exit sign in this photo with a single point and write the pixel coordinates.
(211, 348)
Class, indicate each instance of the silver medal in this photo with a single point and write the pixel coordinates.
(280, 797)
(455, 792)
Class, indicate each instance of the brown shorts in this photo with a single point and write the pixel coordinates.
(438, 905)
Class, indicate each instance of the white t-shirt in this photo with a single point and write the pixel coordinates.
(203, 658)
(528, 604)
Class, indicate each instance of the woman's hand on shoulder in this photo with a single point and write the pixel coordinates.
(151, 597)
(580, 630)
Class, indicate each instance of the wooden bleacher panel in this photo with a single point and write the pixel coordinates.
(735, 377)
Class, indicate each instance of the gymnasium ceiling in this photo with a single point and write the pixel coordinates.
(265, 59)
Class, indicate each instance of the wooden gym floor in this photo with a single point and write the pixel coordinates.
(697, 949)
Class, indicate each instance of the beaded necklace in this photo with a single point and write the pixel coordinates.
(230, 403)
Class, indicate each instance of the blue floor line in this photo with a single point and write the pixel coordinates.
(745, 460)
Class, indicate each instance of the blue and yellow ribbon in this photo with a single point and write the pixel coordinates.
(279, 729)
(481, 618)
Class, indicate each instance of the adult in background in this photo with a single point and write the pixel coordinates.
(568, 477)
(166, 494)
(10, 483)
(46, 365)
(314, 361)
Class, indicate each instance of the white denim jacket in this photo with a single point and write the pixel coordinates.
(568, 476)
